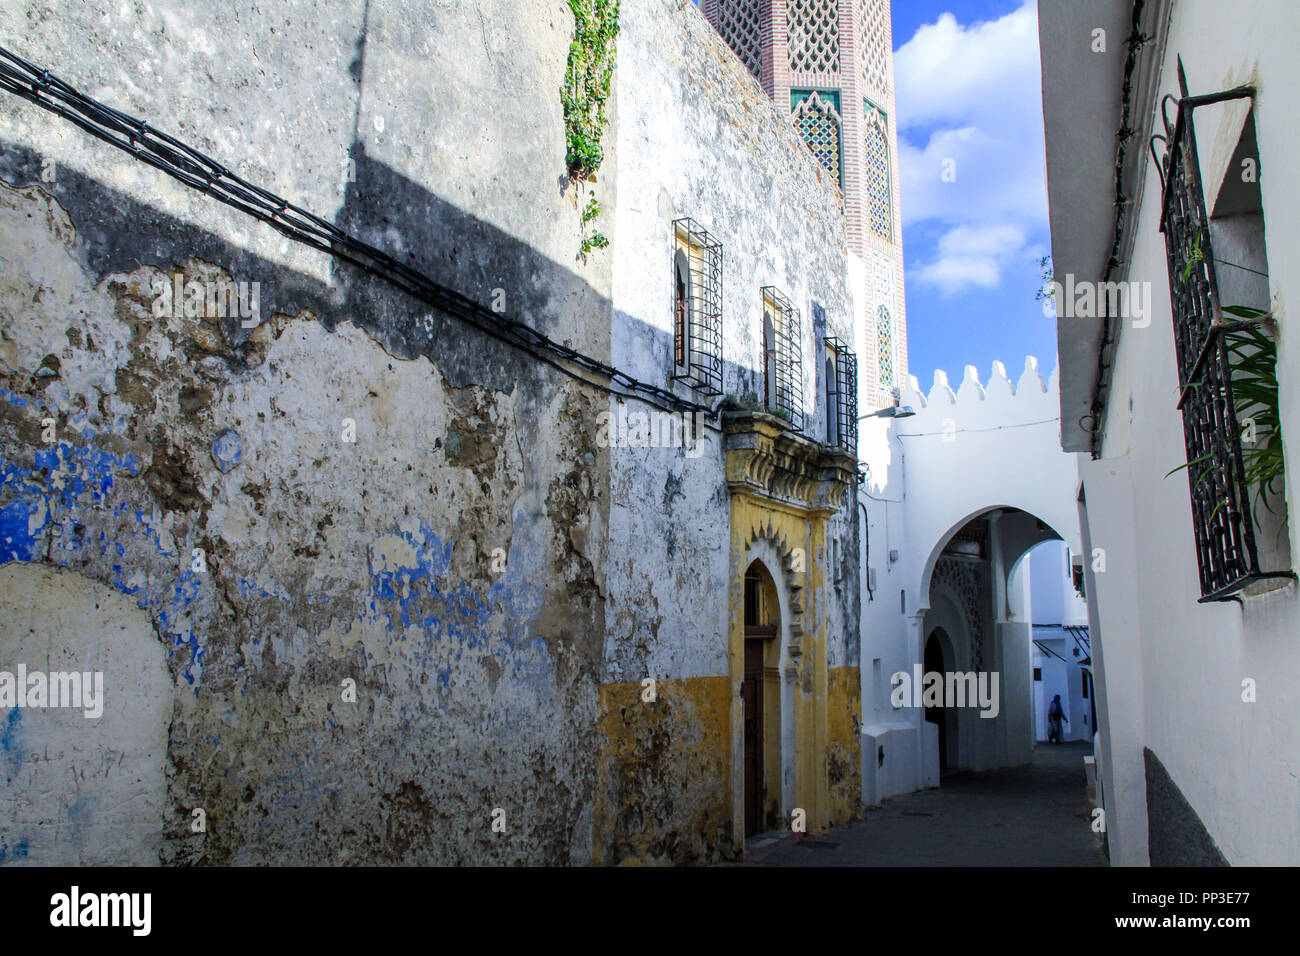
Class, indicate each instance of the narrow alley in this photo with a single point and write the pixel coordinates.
(1034, 815)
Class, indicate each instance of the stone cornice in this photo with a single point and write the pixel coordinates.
(766, 460)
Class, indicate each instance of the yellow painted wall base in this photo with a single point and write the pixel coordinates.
(844, 743)
(663, 774)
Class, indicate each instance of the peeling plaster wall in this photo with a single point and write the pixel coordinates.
(484, 679)
(325, 560)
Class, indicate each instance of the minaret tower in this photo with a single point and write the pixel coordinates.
(831, 64)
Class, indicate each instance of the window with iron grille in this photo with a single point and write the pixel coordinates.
(697, 307)
(841, 396)
(1217, 345)
(782, 365)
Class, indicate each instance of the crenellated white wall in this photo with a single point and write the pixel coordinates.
(982, 447)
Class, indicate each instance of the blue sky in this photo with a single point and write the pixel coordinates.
(967, 86)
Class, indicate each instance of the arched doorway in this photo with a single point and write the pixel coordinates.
(761, 700)
(937, 714)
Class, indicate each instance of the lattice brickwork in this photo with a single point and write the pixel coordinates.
(814, 35)
(882, 280)
(966, 578)
(819, 124)
(881, 296)
(873, 46)
(739, 23)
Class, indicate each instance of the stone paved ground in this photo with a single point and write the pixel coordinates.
(1035, 815)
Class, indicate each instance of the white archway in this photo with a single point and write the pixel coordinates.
(980, 452)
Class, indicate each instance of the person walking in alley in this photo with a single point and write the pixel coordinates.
(1055, 714)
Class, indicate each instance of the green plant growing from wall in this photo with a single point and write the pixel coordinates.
(1252, 359)
(1252, 356)
(587, 82)
(742, 403)
(588, 79)
(1046, 277)
(748, 402)
(594, 240)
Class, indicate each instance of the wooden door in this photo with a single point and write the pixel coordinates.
(752, 695)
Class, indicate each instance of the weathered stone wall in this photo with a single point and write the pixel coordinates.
(433, 130)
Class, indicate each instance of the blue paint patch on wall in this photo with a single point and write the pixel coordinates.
(81, 471)
(247, 587)
(20, 851)
(227, 450)
(11, 741)
(18, 540)
(446, 619)
(184, 637)
(64, 475)
(432, 558)
(80, 817)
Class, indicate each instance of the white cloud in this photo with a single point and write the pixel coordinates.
(948, 72)
(972, 256)
(970, 104)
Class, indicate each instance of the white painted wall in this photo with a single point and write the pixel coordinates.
(1172, 669)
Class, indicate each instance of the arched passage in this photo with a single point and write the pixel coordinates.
(1061, 650)
(975, 597)
(974, 454)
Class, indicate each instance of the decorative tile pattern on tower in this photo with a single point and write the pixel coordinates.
(841, 51)
(818, 121)
(885, 347)
(880, 208)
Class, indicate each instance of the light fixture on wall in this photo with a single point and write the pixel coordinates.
(890, 411)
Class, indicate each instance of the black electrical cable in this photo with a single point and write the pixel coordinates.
(206, 175)
(1134, 43)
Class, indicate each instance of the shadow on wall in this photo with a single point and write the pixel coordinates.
(366, 564)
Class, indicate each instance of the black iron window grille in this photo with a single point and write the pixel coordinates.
(782, 365)
(1224, 530)
(697, 307)
(842, 394)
